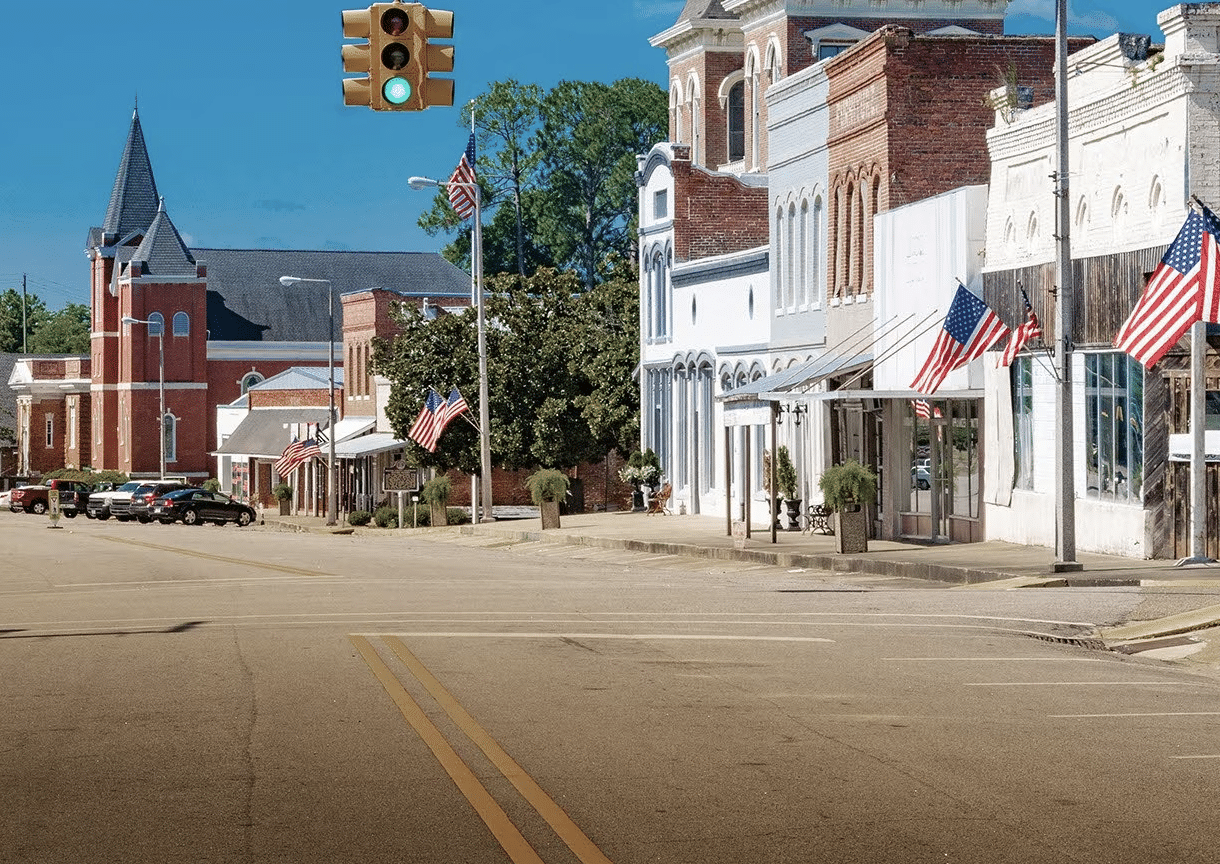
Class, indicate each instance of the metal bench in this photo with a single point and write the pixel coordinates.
(817, 518)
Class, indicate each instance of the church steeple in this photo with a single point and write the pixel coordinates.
(162, 252)
(133, 200)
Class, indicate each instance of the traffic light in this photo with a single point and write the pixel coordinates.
(399, 57)
(356, 91)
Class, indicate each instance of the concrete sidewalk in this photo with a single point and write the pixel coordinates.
(707, 537)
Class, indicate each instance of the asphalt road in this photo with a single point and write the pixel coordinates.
(227, 695)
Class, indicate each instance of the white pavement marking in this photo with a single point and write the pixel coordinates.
(630, 636)
(1208, 756)
(1003, 659)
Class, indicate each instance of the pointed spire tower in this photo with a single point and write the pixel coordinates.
(133, 200)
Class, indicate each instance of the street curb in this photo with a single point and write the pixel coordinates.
(1170, 625)
(833, 563)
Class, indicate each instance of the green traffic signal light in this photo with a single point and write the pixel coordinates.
(397, 91)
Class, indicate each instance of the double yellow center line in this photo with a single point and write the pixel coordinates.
(505, 832)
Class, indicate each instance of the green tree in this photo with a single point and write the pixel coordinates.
(11, 317)
(558, 358)
(591, 133)
(65, 331)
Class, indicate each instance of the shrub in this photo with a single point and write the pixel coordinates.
(457, 515)
(436, 490)
(785, 474)
(386, 517)
(212, 485)
(547, 484)
(282, 492)
(847, 483)
(359, 517)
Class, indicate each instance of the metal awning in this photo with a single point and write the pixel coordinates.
(944, 396)
(367, 445)
(264, 432)
(781, 384)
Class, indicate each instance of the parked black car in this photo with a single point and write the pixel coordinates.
(142, 499)
(196, 506)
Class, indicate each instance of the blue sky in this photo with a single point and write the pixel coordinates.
(243, 115)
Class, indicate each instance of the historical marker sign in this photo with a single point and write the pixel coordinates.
(400, 479)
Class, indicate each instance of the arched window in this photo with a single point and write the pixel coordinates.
(249, 380)
(182, 324)
(737, 122)
(792, 265)
(802, 288)
(169, 429)
(781, 250)
(156, 324)
(816, 271)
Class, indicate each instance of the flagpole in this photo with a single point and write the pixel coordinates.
(484, 408)
(1065, 505)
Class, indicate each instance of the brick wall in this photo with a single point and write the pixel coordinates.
(715, 214)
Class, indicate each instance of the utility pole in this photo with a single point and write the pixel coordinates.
(1065, 506)
(24, 350)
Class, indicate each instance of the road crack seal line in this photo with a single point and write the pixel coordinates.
(207, 556)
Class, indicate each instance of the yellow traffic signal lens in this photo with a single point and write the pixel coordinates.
(396, 91)
(395, 56)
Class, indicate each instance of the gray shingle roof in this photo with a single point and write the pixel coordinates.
(246, 301)
(263, 433)
(162, 252)
(703, 9)
(8, 396)
(133, 200)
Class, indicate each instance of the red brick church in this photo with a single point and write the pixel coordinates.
(223, 320)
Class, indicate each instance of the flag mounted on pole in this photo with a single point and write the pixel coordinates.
(422, 429)
(970, 329)
(1030, 329)
(446, 412)
(461, 185)
(297, 453)
(1182, 290)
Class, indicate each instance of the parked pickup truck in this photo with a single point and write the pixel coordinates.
(101, 504)
(73, 497)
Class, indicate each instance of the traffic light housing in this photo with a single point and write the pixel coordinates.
(399, 57)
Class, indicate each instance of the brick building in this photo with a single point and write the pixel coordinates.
(808, 120)
(203, 326)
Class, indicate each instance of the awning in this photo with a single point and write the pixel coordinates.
(350, 427)
(942, 396)
(787, 383)
(264, 432)
(367, 445)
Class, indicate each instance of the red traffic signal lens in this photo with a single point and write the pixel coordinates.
(395, 22)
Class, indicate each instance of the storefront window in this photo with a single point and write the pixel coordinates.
(1114, 427)
(945, 459)
(1023, 420)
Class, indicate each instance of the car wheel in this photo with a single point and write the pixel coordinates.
(88, 515)
(143, 520)
(123, 518)
(103, 516)
(243, 519)
(71, 514)
(38, 508)
(190, 517)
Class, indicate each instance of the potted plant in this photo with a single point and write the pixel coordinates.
(776, 502)
(846, 489)
(785, 478)
(435, 493)
(283, 494)
(642, 469)
(547, 488)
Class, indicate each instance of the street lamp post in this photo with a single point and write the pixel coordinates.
(127, 319)
(484, 410)
(332, 497)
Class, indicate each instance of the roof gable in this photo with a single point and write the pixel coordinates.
(162, 252)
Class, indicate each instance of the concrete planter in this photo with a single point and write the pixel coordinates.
(285, 508)
(440, 515)
(851, 530)
(550, 514)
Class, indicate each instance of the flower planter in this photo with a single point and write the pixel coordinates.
(851, 529)
(793, 506)
(439, 515)
(550, 514)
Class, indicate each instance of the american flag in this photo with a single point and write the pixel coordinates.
(1183, 289)
(1030, 329)
(923, 409)
(422, 429)
(461, 184)
(450, 410)
(970, 329)
(296, 454)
